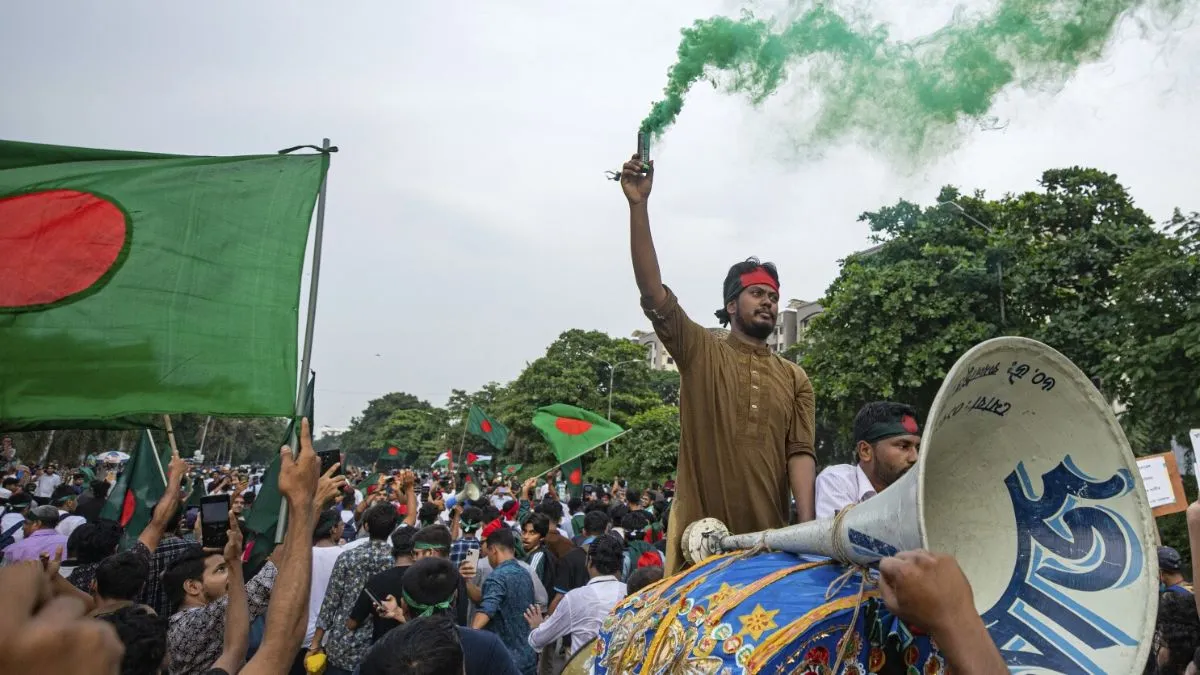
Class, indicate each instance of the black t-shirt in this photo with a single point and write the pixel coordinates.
(571, 572)
(485, 654)
(387, 582)
(390, 582)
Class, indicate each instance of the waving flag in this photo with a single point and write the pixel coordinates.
(485, 427)
(143, 283)
(572, 432)
(131, 501)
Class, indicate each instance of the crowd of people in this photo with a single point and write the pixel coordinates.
(394, 573)
(522, 574)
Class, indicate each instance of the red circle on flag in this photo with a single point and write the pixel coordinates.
(393, 451)
(576, 477)
(485, 426)
(57, 244)
(571, 426)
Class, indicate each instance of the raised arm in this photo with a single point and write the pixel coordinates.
(237, 614)
(641, 244)
(298, 478)
(167, 507)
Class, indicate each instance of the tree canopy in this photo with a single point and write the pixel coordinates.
(1075, 265)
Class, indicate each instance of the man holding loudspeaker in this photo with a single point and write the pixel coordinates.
(746, 414)
(886, 440)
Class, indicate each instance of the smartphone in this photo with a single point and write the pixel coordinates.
(214, 521)
(378, 604)
(328, 459)
(472, 557)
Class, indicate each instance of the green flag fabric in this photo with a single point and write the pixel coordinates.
(131, 501)
(144, 283)
(485, 427)
(572, 432)
(512, 469)
(573, 471)
(263, 516)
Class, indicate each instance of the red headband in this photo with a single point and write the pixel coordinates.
(759, 276)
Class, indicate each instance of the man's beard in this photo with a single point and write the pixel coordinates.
(893, 476)
(756, 330)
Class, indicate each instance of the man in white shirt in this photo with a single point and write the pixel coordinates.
(66, 500)
(581, 611)
(887, 438)
(47, 481)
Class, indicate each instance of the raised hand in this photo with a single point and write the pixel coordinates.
(634, 184)
(41, 634)
(298, 475)
(926, 589)
(233, 546)
(329, 487)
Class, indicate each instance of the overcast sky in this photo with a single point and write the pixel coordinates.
(469, 222)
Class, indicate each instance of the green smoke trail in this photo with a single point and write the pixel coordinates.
(896, 96)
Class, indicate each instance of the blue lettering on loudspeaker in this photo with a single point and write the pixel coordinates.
(865, 544)
(1063, 545)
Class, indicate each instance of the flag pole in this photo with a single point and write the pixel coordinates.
(170, 436)
(204, 434)
(157, 461)
(306, 354)
(462, 443)
(580, 454)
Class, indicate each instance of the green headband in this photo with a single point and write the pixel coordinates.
(426, 546)
(906, 425)
(426, 610)
(469, 526)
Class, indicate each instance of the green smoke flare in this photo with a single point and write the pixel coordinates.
(896, 96)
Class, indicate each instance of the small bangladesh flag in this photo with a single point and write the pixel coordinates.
(131, 501)
(487, 428)
(138, 283)
(512, 469)
(391, 454)
(572, 432)
(573, 470)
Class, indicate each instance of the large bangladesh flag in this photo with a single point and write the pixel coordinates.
(143, 283)
(571, 432)
(131, 501)
(487, 428)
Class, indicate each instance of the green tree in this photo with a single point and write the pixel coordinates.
(574, 370)
(366, 432)
(898, 316)
(1159, 346)
(650, 450)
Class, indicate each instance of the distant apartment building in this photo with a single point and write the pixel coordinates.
(790, 327)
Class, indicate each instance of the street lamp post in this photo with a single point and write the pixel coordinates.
(612, 369)
(999, 266)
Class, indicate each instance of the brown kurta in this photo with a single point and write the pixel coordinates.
(743, 413)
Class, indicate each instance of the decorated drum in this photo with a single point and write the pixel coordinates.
(760, 613)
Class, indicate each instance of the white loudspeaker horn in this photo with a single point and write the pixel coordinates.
(469, 493)
(1025, 476)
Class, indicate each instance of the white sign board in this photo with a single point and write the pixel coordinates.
(1195, 434)
(1157, 480)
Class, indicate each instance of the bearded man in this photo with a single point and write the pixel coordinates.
(886, 441)
(746, 414)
